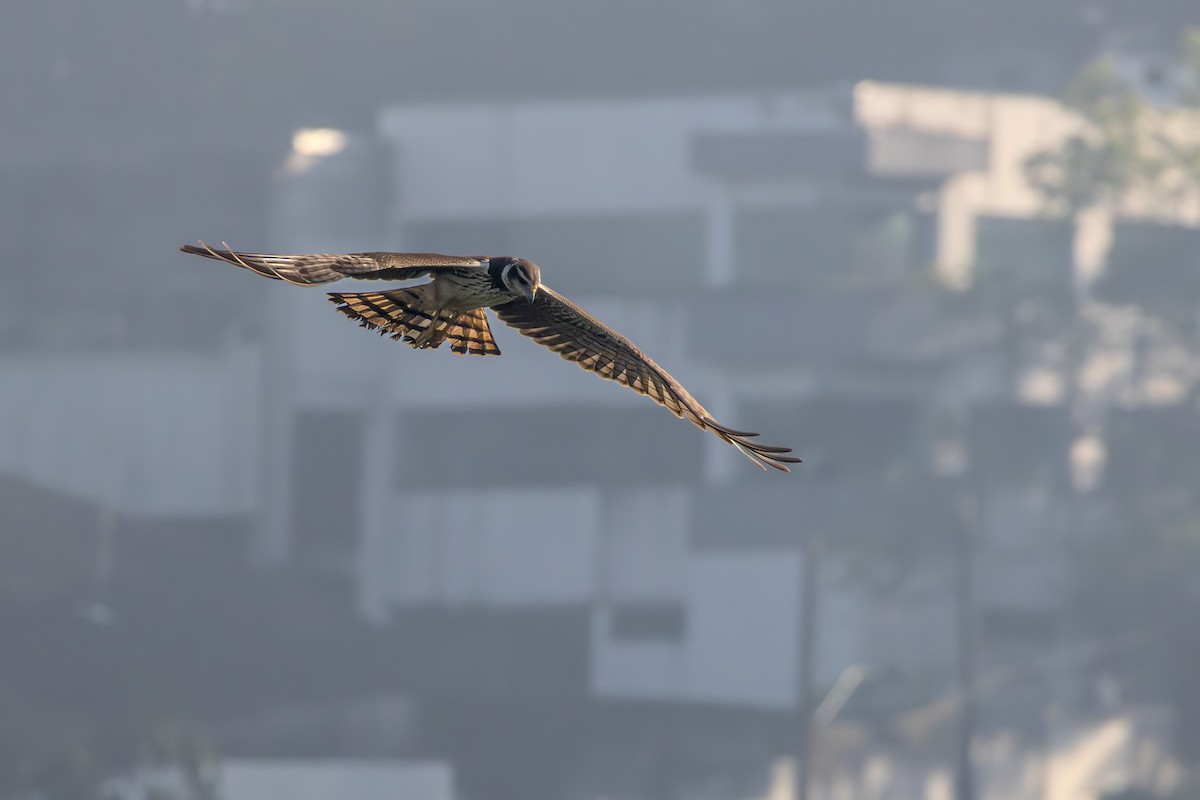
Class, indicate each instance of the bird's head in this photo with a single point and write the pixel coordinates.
(521, 277)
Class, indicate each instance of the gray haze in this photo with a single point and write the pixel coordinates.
(250, 551)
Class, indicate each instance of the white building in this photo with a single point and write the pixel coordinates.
(519, 483)
(699, 228)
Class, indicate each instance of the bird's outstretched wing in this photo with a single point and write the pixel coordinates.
(568, 330)
(312, 269)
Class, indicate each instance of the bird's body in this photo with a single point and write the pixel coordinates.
(458, 292)
(450, 307)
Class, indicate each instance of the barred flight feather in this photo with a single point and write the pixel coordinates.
(310, 269)
(399, 314)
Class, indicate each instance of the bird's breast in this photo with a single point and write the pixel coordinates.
(464, 293)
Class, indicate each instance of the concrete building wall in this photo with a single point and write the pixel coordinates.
(100, 427)
(469, 521)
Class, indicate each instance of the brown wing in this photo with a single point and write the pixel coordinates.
(568, 330)
(309, 269)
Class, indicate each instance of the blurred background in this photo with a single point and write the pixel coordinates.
(946, 250)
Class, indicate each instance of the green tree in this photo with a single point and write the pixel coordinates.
(1141, 162)
(1134, 577)
(1101, 163)
(72, 758)
(1127, 148)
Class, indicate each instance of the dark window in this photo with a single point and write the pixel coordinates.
(1019, 259)
(1018, 625)
(775, 156)
(460, 236)
(1013, 443)
(841, 437)
(648, 621)
(546, 446)
(327, 461)
(527, 655)
(1151, 450)
(1154, 266)
(752, 515)
(94, 248)
(828, 245)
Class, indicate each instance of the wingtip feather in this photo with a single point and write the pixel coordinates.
(761, 454)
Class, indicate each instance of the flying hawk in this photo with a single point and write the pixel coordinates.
(451, 308)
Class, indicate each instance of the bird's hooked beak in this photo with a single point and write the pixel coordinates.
(529, 292)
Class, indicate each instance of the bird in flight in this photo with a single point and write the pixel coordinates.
(451, 308)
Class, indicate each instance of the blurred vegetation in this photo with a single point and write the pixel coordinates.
(1134, 578)
(1138, 160)
(1126, 143)
(73, 759)
(1099, 165)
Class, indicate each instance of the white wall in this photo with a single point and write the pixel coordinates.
(740, 644)
(156, 434)
(499, 549)
(493, 160)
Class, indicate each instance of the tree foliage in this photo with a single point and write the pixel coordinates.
(1126, 145)
(1103, 161)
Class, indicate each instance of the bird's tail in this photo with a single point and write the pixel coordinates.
(403, 314)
